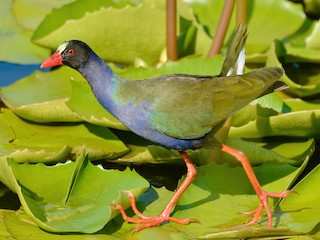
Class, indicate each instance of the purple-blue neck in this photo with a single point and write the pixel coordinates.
(102, 80)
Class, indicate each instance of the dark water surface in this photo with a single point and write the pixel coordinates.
(9, 72)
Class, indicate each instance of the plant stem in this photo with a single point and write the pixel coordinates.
(222, 28)
(172, 45)
(241, 12)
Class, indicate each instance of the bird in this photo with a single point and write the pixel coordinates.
(177, 111)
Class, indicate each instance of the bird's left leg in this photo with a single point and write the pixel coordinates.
(262, 195)
(164, 216)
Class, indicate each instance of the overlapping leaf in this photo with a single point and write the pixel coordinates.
(15, 45)
(214, 198)
(71, 197)
(28, 142)
(30, 13)
(102, 23)
(41, 97)
(301, 71)
(257, 122)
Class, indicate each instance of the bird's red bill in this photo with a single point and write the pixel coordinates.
(52, 61)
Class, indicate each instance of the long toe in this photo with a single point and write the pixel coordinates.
(264, 205)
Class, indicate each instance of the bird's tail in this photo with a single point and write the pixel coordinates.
(235, 56)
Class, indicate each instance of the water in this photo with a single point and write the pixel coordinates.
(10, 72)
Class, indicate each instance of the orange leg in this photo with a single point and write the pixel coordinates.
(164, 216)
(262, 195)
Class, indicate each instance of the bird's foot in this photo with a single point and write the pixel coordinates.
(264, 205)
(148, 222)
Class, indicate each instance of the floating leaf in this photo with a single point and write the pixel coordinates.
(293, 152)
(301, 211)
(82, 201)
(41, 97)
(215, 198)
(301, 77)
(28, 142)
(311, 41)
(102, 23)
(17, 225)
(30, 13)
(294, 124)
(15, 45)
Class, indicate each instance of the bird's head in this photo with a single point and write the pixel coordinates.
(72, 53)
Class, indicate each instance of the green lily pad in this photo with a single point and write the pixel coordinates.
(303, 123)
(102, 23)
(18, 225)
(311, 41)
(30, 13)
(215, 198)
(82, 201)
(42, 96)
(301, 77)
(261, 151)
(15, 44)
(228, 197)
(28, 142)
(301, 211)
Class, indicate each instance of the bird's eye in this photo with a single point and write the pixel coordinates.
(71, 51)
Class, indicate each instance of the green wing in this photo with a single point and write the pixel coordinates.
(188, 107)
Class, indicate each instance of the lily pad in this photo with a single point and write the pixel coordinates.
(41, 97)
(301, 211)
(215, 199)
(261, 151)
(18, 225)
(15, 44)
(82, 201)
(30, 13)
(311, 41)
(102, 23)
(28, 142)
(301, 74)
(303, 123)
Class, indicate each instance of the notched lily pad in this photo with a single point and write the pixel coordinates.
(300, 67)
(102, 23)
(216, 197)
(81, 202)
(41, 97)
(302, 211)
(15, 44)
(28, 142)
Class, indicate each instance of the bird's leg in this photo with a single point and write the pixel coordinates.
(262, 195)
(164, 216)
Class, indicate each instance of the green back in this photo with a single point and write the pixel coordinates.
(188, 107)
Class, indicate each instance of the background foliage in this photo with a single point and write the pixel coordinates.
(52, 126)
